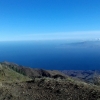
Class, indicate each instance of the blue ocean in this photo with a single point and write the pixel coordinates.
(54, 55)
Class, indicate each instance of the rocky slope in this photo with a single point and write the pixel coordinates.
(89, 76)
(49, 89)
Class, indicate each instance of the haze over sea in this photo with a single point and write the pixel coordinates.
(51, 55)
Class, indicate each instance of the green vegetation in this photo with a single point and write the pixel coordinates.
(7, 74)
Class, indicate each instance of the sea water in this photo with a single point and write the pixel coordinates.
(51, 55)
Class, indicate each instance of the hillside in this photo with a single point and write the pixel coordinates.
(23, 83)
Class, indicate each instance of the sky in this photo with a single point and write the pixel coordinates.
(49, 19)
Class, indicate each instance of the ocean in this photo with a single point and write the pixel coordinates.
(53, 55)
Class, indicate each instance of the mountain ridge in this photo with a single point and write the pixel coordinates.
(33, 72)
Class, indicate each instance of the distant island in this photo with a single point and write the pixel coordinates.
(83, 44)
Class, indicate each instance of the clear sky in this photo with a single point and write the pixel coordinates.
(49, 19)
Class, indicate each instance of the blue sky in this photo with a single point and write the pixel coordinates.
(49, 19)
